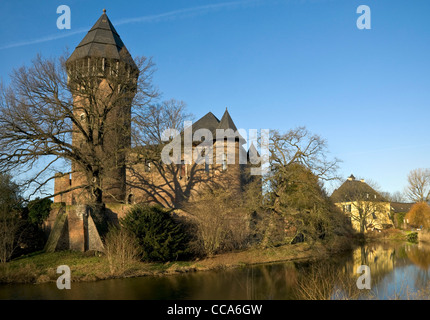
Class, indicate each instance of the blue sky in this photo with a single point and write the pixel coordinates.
(275, 64)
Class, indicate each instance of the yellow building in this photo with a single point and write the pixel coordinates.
(365, 207)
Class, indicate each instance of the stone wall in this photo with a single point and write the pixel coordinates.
(62, 183)
(71, 227)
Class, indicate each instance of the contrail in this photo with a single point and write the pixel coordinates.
(44, 39)
(151, 18)
(186, 12)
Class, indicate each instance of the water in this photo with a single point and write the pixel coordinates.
(397, 271)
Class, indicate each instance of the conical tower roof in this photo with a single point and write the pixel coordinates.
(227, 123)
(253, 155)
(102, 41)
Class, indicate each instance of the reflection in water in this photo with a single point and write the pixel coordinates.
(397, 271)
(420, 256)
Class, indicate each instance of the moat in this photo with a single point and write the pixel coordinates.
(398, 271)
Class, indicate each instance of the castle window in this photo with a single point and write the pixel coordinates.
(83, 117)
(107, 66)
(347, 208)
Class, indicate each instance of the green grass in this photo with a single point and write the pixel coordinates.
(44, 260)
(42, 267)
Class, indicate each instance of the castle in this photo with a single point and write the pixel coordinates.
(131, 175)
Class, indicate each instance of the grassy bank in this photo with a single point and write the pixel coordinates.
(386, 235)
(422, 236)
(41, 267)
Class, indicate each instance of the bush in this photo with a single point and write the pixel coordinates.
(220, 223)
(121, 249)
(412, 237)
(419, 215)
(160, 237)
(33, 237)
(38, 210)
(399, 218)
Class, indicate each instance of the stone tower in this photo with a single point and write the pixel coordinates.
(102, 76)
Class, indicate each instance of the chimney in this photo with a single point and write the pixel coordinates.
(351, 178)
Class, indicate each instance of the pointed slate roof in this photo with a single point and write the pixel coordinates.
(212, 123)
(208, 121)
(226, 122)
(253, 155)
(102, 41)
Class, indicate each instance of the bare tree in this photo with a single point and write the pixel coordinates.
(396, 196)
(367, 213)
(145, 160)
(52, 114)
(168, 184)
(297, 148)
(418, 189)
(295, 197)
(153, 121)
(219, 220)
